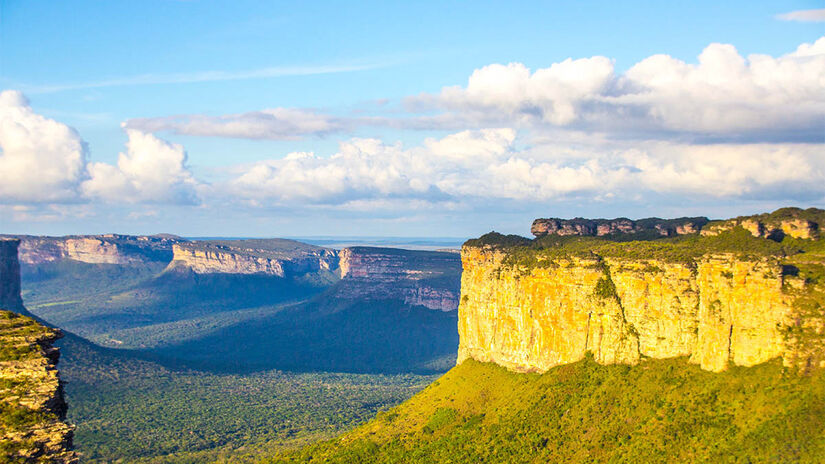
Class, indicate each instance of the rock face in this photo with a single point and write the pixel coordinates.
(96, 249)
(719, 309)
(274, 257)
(601, 227)
(9, 274)
(420, 278)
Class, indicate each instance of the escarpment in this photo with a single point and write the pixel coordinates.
(32, 408)
(419, 278)
(96, 249)
(729, 298)
(273, 257)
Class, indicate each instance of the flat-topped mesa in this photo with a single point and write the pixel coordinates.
(97, 249)
(274, 257)
(421, 278)
(602, 227)
(726, 299)
(9, 275)
(793, 222)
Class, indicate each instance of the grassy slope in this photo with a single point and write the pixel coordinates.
(658, 411)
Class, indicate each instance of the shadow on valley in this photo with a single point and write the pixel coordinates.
(374, 336)
(244, 323)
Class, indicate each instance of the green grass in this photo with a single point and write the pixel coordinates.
(658, 411)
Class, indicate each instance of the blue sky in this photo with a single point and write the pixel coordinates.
(375, 70)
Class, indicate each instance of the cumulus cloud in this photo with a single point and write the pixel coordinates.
(723, 96)
(804, 15)
(151, 170)
(41, 160)
(273, 124)
(485, 165)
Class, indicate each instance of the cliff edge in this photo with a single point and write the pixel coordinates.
(32, 408)
(730, 297)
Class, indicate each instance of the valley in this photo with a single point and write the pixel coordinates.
(250, 346)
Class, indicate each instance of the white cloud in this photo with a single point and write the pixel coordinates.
(274, 124)
(485, 165)
(151, 170)
(41, 160)
(724, 96)
(804, 15)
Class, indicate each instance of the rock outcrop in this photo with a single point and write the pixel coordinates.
(274, 257)
(96, 249)
(530, 311)
(32, 408)
(31, 397)
(792, 222)
(602, 227)
(420, 278)
(9, 274)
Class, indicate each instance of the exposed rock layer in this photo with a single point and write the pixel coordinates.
(420, 278)
(601, 227)
(273, 257)
(724, 309)
(96, 249)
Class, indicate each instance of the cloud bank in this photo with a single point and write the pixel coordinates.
(726, 128)
(45, 161)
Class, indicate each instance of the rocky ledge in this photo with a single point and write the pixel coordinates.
(32, 408)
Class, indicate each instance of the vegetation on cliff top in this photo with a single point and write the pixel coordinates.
(657, 411)
(24, 425)
(685, 249)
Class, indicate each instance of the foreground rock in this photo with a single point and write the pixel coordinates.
(32, 408)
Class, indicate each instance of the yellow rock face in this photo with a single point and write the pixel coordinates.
(721, 311)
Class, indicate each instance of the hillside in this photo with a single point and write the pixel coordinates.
(32, 408)
(657, 411)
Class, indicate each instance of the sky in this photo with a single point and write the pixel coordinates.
(439, 119)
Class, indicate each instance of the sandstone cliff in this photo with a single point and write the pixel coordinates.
(727, 299)
(274, 257)
(420, 278)
(96, 249)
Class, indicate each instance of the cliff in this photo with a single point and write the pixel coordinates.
(96, 249)
(9, 274)
(420, 278)
(273, 257)
(729, 298)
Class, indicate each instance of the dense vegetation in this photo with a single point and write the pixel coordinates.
(686, 249)
(657, 411)
(139, 411)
